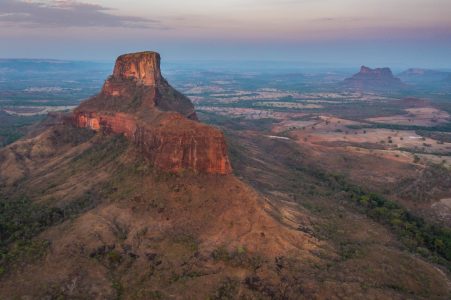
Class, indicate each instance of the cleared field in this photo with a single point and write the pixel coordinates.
(293, 105)
(424, 116)
(250, 113)
(27, 111)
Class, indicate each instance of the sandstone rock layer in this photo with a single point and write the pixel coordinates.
(144, 66)
(137, 101)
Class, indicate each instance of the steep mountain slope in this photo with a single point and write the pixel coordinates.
(103, 212)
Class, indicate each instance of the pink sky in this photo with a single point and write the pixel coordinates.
(259, 29)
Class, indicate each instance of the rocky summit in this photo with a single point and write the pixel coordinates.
(374, 79)
(139, 103)
(113, 215)
(143, 66)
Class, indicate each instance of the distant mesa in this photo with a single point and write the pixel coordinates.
(418, 75)
(374, 79)
(139, 103)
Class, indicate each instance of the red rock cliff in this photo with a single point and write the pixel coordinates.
(138, 103)
(143, 66)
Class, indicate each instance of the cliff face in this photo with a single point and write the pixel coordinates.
(378, 72)
(379, 78)
(137, 101)
(137, 87)
(143, 67)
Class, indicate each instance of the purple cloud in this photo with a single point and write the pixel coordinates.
(67, 14)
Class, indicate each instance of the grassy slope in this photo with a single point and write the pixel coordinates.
(88, 216)
(370, 257)
(105, 224)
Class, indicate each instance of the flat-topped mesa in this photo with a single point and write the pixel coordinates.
(376, 72)
(139, 103)
(374, 79)
(142, 66)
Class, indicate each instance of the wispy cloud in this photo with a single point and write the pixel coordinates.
(337, 19)
(67, 13)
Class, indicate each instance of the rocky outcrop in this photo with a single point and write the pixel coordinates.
(143, 67)
(137, 87)
(378, 72)
(374, 79)
(137, 101)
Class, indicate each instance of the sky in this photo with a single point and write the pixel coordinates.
(398, 33)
